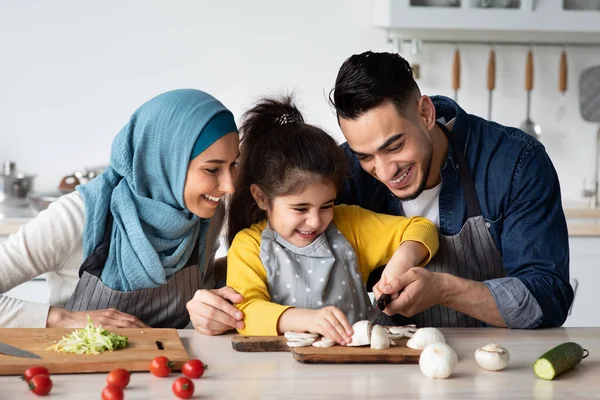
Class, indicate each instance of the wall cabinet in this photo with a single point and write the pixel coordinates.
(556, 21)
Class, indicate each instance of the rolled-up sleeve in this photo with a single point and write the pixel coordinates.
(535, 248)
(516, 304)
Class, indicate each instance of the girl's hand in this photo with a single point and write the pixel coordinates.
(331, 323)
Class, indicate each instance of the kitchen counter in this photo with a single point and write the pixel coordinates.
(581, 222)
(233, 375)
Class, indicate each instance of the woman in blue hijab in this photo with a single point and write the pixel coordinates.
(142, 236)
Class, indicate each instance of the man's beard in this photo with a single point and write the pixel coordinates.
(426, 169)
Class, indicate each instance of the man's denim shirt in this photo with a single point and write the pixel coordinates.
(519, 194)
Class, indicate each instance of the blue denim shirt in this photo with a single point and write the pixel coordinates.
(519, 195)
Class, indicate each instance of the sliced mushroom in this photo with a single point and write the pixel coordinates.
(398, 332)
(379, 338)
(300, 343)
(324, 342)
(293, 336)
(362, 333)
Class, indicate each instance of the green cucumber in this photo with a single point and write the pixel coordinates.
(559, 360)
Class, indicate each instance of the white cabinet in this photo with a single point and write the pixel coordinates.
(35, 290)
(585, 256)
(560, 21)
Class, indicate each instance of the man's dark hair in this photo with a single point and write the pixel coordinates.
(368, 80)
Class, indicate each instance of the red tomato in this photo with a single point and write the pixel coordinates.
(161, 366)
(118, 377)
(33, 371)
(193, 369)
(112, 392)
(183, 388)
(40, 385)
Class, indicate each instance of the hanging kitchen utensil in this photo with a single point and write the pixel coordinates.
(528, 126)
(562, 86)
(456, 74)
(491, 80)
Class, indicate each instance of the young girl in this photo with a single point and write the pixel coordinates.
(300, 262)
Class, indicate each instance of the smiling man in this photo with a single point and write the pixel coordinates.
(491, 190)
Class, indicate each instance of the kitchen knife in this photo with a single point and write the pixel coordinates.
(16, 352)
(381, 303)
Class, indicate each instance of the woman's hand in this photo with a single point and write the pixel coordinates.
(110, 318)
(211, 312)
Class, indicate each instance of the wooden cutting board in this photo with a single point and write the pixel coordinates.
(142, 348)
(399, 354)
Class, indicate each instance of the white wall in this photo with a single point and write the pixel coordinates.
(71, 72)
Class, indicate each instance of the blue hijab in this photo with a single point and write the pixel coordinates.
(153, 234)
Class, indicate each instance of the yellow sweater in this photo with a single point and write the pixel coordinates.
(374, 238)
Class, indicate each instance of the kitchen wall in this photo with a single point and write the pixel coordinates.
(71, 72)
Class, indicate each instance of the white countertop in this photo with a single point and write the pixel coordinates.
(233, 375)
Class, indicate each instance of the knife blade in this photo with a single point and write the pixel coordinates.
(380, 303)
(16, 352)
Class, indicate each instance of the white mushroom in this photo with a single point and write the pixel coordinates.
(300, 343)
(438, 361)
(379, 338)
(324, 342)
(398, 332)
(424, 337)
(492, 357)
(362, 333)
(293, 336)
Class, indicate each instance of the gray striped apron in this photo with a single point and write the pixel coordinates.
(160, 307)
(471, 254)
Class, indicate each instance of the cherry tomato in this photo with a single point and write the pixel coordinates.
(161, 366)
(112, 392)
(118, 377)
(183, 388)
(33, 371)
(193, 369)
(40, 385)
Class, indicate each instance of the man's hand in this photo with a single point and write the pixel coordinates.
(212, 314)
(110, 318)
(420, 291)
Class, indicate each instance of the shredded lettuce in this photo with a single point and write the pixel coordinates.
(90, 340)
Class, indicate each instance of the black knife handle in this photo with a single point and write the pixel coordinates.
(383, 301)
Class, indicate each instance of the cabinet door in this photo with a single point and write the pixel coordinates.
(585, 253)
